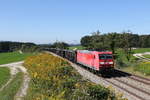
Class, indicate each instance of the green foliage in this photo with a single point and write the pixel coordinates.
(126, 43)
(132, 65)
(4, 75)
(85, 41)
(10, 91)
(8, 46)
(144, 41)
(111, 41)
(147, 56)
(121, 59)
(60, 45)
(30, 48)
(97, 92)
(13, 57)
(143, 68)
(94, 42)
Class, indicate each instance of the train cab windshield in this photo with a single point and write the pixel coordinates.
(105, 56)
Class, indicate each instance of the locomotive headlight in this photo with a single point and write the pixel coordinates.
(101, 62)
(110, 62)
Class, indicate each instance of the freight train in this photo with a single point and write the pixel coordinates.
(98, 61)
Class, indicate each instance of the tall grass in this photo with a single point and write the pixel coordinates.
(4, 75)
(147, 56)
(9, 92)
(144, 68)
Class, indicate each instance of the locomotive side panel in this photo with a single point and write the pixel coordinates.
(86, 59)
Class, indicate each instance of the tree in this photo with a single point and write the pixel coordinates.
(144, 41)
(111, 39)
(94, 42)
(127, 47)
(98, 42)
(60, 45)
(134, 40)
(85, 41)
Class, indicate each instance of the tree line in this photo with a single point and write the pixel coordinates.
(8, 46)
(112, 41)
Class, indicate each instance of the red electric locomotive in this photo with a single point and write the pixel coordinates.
(99, 61)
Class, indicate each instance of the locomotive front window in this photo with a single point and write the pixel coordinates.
(102, 57)
(109, 56)
(105, 56)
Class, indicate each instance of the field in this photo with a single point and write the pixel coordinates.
(14, 82)
(10, 57)
(141, 50)
(133, 65)
(76, 47)
(4, 75)
(53, 79)
(147, 56)
(143, 67)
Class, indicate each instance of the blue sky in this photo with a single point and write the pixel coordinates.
(45, 21)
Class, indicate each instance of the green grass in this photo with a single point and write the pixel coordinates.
(77, 47)
(143, 68)
(122, 60)
(133, 66)
(122, 57)
(4, 75)
(10, 91)
(147, 56)
(141, 50)
(12, 57)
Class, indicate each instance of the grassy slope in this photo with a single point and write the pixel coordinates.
(53, 79)
(10, 91)
(12, 57)
(4, 75)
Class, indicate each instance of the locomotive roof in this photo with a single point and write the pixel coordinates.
(98, 52)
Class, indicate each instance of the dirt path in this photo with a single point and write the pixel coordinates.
(141, 57)
(14, 69)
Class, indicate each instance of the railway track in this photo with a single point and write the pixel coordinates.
(126, 90)
(134, 77)
(136, 85)
(133, 86)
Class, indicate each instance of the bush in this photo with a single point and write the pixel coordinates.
(120, 63)
(98, 92)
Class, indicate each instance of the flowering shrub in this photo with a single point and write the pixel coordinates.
(54, 79)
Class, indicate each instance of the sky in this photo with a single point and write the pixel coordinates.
(47, 21)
